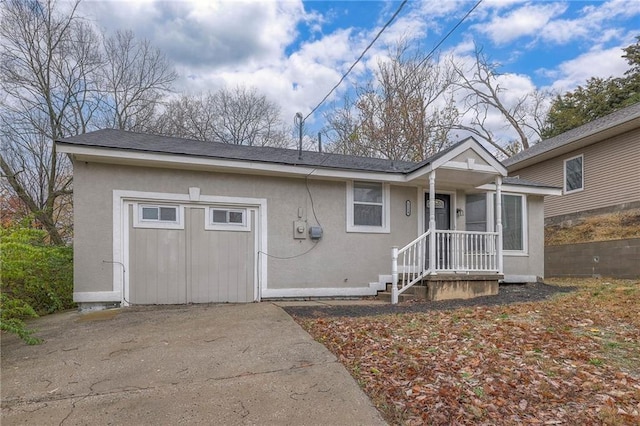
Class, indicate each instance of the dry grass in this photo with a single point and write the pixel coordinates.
(574, 359)
(613, 226)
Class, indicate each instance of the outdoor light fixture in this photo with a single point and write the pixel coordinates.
(459, 212)
(407, 207)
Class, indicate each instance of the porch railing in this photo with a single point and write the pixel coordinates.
(455, 251)
(466, 251)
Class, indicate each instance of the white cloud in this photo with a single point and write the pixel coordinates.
(256, 43)
(593, 23)
(202, 33)
(527, 20)
(596, 63)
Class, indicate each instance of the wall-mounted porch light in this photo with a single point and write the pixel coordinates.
(407, 207)
(459, 212)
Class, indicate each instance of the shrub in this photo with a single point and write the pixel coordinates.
(12, 313)
(36, 278)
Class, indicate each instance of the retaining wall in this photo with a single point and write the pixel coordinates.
(615, 259)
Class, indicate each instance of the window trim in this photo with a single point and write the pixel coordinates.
(139, 222)
(564, 183)
(525, 224)
(209, 225)
(386, 210)
(491, 222)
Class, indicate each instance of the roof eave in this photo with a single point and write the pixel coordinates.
(129, 157)
(579, 142)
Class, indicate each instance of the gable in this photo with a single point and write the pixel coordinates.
(470, 154)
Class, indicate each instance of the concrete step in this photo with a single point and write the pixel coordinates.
(418, 288)
(385, 296)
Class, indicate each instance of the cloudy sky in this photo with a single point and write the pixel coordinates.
(294, 51)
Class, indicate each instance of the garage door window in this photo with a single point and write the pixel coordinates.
(227, 219)
(158, 216)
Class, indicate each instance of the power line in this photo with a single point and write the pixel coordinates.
(359, 58)
(464, 18)
(426, 58)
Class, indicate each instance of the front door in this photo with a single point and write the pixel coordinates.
(443, 222)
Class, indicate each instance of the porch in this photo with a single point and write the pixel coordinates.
(462, 264)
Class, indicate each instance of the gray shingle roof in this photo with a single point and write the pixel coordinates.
(142, 142)
(609, 121)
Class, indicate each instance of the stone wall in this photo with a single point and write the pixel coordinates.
(614, 259)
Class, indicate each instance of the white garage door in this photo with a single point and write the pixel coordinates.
(191, 254)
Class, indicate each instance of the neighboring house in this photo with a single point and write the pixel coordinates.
(596, 164)
(162, 220)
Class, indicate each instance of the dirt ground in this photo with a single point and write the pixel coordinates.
(507, 294)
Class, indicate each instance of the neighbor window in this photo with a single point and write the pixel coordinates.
(574, 174)
(227, 219)
(368, 207)
(158, 216)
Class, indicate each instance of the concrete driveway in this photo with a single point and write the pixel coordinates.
(211, 364)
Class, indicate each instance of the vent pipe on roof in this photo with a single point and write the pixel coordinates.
(300, 122)
(320, 142)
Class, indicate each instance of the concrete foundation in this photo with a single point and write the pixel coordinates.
(447, 287)
(461, 287)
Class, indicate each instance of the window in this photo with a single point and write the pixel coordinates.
(514, 227)
(226, 219)
(367, 207)
(231, 217)
(513, 222)
(476, 212)
(574, 174)
(158, 216)
(164, 214)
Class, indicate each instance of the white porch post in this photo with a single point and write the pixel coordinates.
(432, 222)
(394, 275)
(499, 222)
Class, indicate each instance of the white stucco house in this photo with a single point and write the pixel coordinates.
(162, 220)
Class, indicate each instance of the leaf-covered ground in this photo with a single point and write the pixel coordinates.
(573, 359)
(605, 227)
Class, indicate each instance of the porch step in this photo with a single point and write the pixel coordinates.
(445, 287)
(416, 292)
(385, 296)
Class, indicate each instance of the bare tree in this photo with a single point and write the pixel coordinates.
(47, 63)
(135, 78)
(239, 116)
(57, 79)
(483, 97)
(403, 113)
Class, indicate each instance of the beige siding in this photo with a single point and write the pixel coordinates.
(532, 262)
(339, 259)
(611, 176)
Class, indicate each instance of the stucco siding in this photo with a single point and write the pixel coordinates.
(470, 154)
(339, 259)
(532, 262)
(611, 176)
(92, 227)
